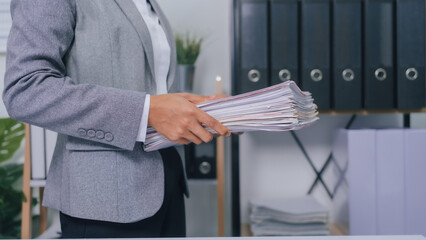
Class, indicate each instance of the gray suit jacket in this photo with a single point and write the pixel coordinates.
(82, 68)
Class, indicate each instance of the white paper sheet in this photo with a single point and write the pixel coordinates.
(281, 107)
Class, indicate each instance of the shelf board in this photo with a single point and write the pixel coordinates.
(366, 112)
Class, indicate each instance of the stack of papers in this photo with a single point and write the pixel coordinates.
(288, 217)
(281, 107)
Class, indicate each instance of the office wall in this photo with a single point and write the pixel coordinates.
(3, 112)
(210, 19)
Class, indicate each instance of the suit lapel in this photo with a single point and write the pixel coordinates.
(170, 38)
(132, 13)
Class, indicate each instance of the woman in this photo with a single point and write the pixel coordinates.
(98, 72)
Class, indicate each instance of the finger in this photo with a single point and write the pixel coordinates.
(189, 136)
(177, 138)
(212, 123)
(201, 132)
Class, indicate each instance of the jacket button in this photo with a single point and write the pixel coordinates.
(109, 137)
(100, 134)
(91, 133)
(82, 132)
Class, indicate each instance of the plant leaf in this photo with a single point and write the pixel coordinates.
(187, 48)
(11, 134)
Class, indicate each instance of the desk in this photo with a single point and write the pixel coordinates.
(313, 238)
(402, 237)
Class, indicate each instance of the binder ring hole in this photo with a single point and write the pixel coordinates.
(380, 74)
(316, 75)
(348, 75)
(411, 74)
(284, 75)
(205, 168)
(254, 75)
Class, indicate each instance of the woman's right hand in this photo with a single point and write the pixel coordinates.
(176, 117)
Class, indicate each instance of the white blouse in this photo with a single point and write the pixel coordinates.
(161, 58)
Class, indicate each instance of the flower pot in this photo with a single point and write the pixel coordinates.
(185, 77)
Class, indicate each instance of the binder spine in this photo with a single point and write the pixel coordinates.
(253, 50)
(315, 50)
(379, 54)
(410, 42)
(347, 54)
(284, 41)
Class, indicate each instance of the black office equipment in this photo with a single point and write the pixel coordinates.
(315, 50)
(410, 29)
(200, 160)
(379, 54)
(253, 34)
(284, 41)
(347, 55)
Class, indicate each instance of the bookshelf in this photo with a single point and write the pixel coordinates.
(237, 74)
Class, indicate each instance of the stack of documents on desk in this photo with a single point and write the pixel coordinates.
(281, 107)
(288, 217)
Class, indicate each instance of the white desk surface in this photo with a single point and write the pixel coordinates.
(417, 237)
(388, 237)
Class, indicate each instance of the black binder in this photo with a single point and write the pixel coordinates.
(410, 40)
(253, 50)
(284, 39)
(379, 54)
(315, 50)
(347, 54)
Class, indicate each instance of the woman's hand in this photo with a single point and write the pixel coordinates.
(176, 117)
(200, 99)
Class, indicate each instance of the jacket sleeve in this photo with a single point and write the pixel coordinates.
(38, 91)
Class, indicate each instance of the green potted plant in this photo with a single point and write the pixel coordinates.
(11, 134)
(187, 49)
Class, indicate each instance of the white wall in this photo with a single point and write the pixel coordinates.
(3, 112)
(209, 19)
